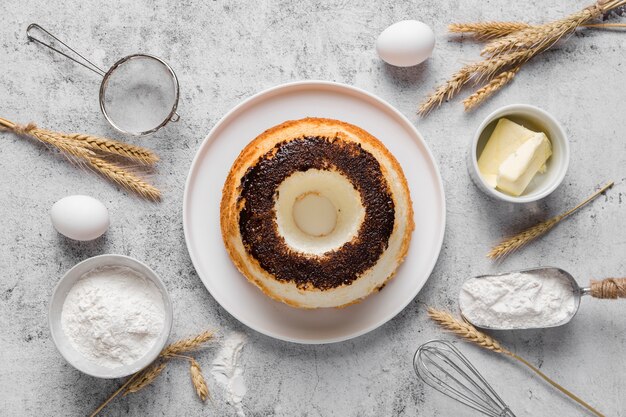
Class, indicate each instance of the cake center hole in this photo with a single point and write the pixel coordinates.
(314, 214)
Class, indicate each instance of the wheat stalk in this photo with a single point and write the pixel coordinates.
(142, 379)
(188, 345)
(490, 89)
(90, 151)
(487, 30)
(146, 377)
(125, 178)
(510, 49)
(542, 36)
(137, 153)
(470, 333)
(447, 90)
(523, 238)
(478, 71)
(197, 379)
(466, 331)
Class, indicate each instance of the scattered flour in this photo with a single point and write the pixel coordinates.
(113, 315)
(517, 300)
(228, 372)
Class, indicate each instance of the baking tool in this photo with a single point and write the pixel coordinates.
(203, 192)
(609, 288)
(138, 94)
(442, 366)
(535, 119)
(62, 342)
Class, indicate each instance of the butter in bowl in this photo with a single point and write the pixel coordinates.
(519, 154)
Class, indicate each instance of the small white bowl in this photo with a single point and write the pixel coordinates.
(535, 119)
(63, 344)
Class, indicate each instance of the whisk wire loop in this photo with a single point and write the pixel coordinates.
(443, 367)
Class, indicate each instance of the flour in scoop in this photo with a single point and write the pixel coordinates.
(517, 300)
(113, 315)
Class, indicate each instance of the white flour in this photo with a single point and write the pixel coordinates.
(517, 300)
(113, 315)
(228, 372)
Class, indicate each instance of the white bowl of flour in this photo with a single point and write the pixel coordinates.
(110, 316)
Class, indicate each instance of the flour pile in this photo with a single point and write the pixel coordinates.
(113, 315)
(228, 372)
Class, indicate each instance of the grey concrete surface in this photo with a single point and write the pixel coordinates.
(224, 51)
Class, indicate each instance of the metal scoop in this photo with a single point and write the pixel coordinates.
(609, 288)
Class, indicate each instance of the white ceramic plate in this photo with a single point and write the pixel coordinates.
(203, 191)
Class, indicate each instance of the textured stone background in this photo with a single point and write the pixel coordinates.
(225, 51)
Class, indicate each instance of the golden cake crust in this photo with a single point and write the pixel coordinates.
(231, 204)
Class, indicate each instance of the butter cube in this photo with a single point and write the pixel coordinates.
(505, 139)
(519, 168)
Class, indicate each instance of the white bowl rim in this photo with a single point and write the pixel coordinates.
(151, 355)
(508, 110)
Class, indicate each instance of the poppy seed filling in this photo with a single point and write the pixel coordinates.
(257, 216)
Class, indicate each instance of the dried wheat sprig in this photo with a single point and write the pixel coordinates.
(486, 69)
(198, 381)
(523, 238)
(188, 345)
(84, 154)
(137, 153)
(447, 90)
(125, 178)
(515, 49)
(470, 333)
(146, 377)
(542, 36)
(466, 331)
(478, 71)
(487, 30)
(141, 379)
(490, 89)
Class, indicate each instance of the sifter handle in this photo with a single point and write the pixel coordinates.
(609, 288)
(85, 62)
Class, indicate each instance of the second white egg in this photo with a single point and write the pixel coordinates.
(406, 43)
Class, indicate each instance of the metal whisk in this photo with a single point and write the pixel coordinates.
(439, 364)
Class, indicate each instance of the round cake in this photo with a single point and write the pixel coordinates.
(316, 213)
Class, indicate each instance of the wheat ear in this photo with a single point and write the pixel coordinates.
(490, 89)
(87, 153)
(447, 90)
(523, 238)
(478, 71)
(466, 331)
(487, 30)
(141, 379)
(136, 153)
(470, 333)
(125, 178)
(542, 36)
(198, 381)
(188, 345)
(145, 378)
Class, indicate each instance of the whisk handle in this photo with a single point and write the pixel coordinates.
(609, 288)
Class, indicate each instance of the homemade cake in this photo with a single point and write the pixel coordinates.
(316, 213)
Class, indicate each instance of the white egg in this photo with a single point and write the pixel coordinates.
(406, 43)
(80, 217)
